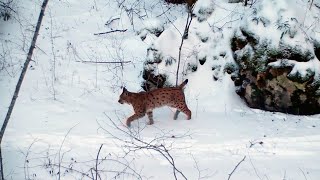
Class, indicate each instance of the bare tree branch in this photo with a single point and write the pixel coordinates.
(136, 144)
(311, 4)
(234, 169)
(106, 62)
(245, 2)
(7, 6)
(97, 161)
(59, 153)
(117, 30)
(111, 20)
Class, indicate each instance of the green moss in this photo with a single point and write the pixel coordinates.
(156, 31)
(204, 39)
(215, 58)
(157, 57)
(256, 58)
(154, 56)
(257, 96)
(202, 60)
(204, 13)
(299, 78)
(316, 45)
(192, 67)
(295, 53)
(315, 85)
(223, 54)
(295, 98)
(228, 67)
(250, 36)
(237, 43)
(170, 60)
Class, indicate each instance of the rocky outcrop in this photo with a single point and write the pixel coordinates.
(275, 64)
(152, 79)
(276, 79)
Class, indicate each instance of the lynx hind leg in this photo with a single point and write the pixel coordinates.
(185, 110)
(150, 117)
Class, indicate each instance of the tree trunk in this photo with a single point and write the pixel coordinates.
(23, 73)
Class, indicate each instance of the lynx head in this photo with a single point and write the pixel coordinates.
(124, 97)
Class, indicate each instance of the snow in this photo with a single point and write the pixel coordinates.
(64, 106)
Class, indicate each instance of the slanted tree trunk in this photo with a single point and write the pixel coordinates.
(183, 37)
(311, 4)
(23, 73)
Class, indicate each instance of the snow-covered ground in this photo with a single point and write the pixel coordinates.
(66, 106)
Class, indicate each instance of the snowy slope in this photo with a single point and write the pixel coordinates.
(65, 107)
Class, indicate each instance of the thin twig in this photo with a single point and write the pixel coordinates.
(164, 12)
(1, 164)
(236, 167)
(26, 161)
(53, 80)
(97, 161)
(111, 20)
(305, 177)
(117, 30)
(60, 158)
(5, 5)
(311, 4)
(73, 169)
(254, 168)
(137, 144)
(107, 62)
(200, 171)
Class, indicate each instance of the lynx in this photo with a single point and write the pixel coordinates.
(144, 102)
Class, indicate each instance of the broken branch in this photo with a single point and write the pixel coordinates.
(117, 30)
(107, 62)
(236, 167)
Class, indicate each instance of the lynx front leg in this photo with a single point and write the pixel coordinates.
(132, 118)
(175, 116)
(150, 116)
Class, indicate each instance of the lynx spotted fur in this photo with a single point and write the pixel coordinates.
(144, 102)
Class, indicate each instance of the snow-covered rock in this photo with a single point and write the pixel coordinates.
(278, 62)
(271, 49)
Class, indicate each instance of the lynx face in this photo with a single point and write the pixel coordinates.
(124, 96)
(144, 102)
